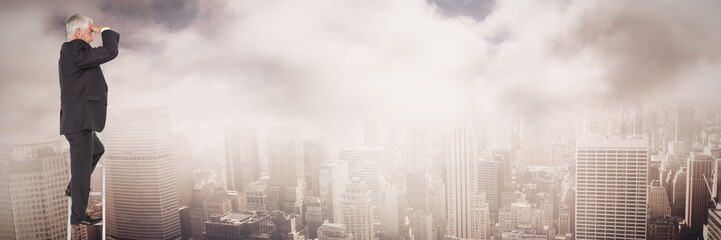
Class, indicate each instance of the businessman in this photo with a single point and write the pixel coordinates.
(83, 105)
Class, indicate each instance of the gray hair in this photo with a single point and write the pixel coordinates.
(76, 21)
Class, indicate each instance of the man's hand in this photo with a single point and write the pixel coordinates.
(97, 27)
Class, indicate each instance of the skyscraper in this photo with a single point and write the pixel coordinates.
(488, 183)
(242, 165)
(663, 228)
(142, 195)
(436, 203)
(315, 152)
(184, 167)
(480, 219)
(333, 231)
(421, 224)
(356, 210)
(698, 192)
(239, 225)
(286, 184)
(564, 221)
(312, 215)
(33, 176)
(219, 204)
(416, 189)
(658, 204)
(535, 141)
(685, 125)
(333, 177)
(713, 229)
(678, 197)
(611, 177)
(391, 212)
(461, 185)
(370, 165)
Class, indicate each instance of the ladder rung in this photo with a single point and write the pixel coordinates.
(100, 223)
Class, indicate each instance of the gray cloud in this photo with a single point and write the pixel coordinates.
(643, 47)
(216, 62)
(476, 9)
(134, 18)
(563, 53)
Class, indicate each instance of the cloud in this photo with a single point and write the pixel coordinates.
(563, 53)
(135, 18)
(476, 9)
(644, 47)
(217, 62)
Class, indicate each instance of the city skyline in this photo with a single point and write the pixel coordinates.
(375, 120)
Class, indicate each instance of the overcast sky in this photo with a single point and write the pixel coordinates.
(218, 62)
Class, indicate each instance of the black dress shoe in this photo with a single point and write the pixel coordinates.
(86, 221)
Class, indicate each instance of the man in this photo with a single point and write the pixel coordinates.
(83, 100)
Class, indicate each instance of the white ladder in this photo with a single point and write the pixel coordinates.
(101, 164)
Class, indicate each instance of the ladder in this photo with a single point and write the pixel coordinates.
(101, 193)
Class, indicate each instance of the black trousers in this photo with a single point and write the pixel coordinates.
(85, 151)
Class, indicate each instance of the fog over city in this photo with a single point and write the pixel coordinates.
(216, 62)
(404, 83)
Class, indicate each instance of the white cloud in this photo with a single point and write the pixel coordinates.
(253, 61)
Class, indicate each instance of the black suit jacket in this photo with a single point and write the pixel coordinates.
(83, 90)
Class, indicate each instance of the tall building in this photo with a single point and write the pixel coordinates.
(370, 165)
(332, 178)
(416, 189)
(255, 195)
(356, 210)
(416, 149)
(716, 186)
(713, 229)
(488, 183)
(535, 141)
(333, 231)
(185, 223)
(218, 204)
(288, 226)
(313, 216)
(460, 183)
(663, 228)
(391, 213)
(242, 164)
(638, 118)
(698, 192)
(142, 194)
(421, 224)
(658, 204)
(564, 221)
(547, 202)
(436, 203)
(520, 214)
(315, 152)
(678, 198)
(480, 218)
(285, 190)
(685, 125)
(239, 225)
(184, 166)
(33, 177)
(611, 178)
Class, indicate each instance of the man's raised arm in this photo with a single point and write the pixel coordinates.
(87, 56)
